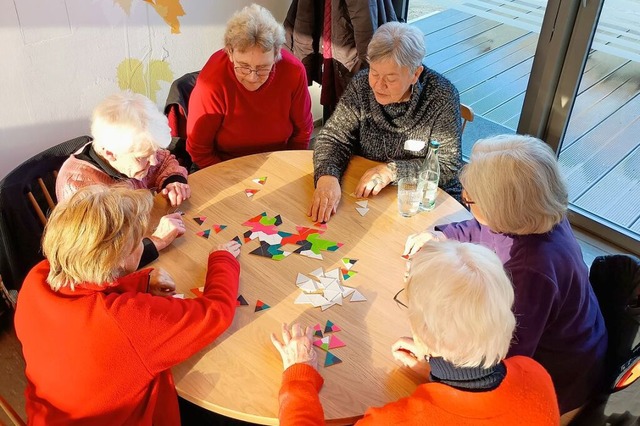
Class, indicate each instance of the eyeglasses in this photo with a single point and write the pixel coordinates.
(246, 71)
(465, 201)
(397, 298)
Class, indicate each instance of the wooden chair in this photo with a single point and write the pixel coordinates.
(27, 195)
(11, 413)
(176, 109)
(467, 115)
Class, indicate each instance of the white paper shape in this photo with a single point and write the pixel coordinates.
(317, 299)
(362, 210)
(327, 306)
(312, 255)
(301, 278)
(302, 299)
(317, 273)
(326, 282)
(179, 296)
(331, 294)
(363, 203)
(334, 273)
(337, 299)
(309, 287)
(346, 291)
(357, 296)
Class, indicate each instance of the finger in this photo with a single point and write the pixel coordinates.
(296, 330)
(408, 245)
(277, 343)
(286, 335)
(315, 210)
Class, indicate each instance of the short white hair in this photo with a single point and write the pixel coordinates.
(516, 184)
(253, 26)
(127, 121)
(460, 301)
(401, 42)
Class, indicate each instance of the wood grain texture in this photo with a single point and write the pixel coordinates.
(239, 374)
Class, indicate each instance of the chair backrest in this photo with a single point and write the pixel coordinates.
(11, 413)
(467, 115)
(176, 109)
(616, 283)
(27, 195)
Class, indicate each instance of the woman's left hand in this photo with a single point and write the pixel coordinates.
(177, 192)
(406, 351)
(161, 283)
(373, 180)
(296, 346)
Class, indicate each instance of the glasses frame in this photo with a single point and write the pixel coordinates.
(395, 298)
(259, 73)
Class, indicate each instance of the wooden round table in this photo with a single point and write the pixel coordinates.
(239, 374)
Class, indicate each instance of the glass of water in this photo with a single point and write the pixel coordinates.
(410, 191)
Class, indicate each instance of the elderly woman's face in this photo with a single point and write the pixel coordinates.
(135, 163)
(252, 67)
(391, 82)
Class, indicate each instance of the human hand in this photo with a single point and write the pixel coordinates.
(416, 241)
(169, 228)
(373, 180)
(296, 347)
(325, 199)
(176, 193)
(406, 351)
(232, 247)
(161, 283)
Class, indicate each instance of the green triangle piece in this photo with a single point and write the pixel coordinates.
(331, 359)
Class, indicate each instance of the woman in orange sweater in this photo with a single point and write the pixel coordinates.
(99, 340)
(460, 303)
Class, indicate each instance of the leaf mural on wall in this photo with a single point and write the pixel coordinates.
(135, 76)
(169, 10)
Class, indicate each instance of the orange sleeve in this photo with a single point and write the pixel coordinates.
(299, 399)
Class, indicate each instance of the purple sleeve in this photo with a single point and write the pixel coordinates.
(466, 231)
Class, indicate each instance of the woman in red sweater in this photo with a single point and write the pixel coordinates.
(251, 96)
(460, 313)
(99, 340)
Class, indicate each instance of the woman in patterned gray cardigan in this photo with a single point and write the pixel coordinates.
(396, 99)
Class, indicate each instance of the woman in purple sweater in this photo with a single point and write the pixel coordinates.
(514, 189)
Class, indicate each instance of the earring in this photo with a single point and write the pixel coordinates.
(427, 358)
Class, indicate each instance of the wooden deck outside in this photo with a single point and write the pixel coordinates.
(488, 55)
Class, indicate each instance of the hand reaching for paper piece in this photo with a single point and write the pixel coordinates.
(374, 180)
(406, 351)
(232, 247)
(325, 200)
(169, 228)
(161, 283)
(296, 346)
(176, 193)
(416, 241)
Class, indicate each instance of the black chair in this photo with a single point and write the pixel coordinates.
(176, 109)
(616, 283)
(27, 195)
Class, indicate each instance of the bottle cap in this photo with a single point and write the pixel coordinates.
(434, 143)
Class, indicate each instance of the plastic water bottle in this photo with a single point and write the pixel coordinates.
(430, 176)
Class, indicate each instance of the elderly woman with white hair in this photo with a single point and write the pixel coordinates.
(460, 314)
(251, 96)
(99, 339)
(130, 135)
(514, 189)
(396, 99)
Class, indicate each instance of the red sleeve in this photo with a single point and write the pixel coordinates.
(301, 116)
(167, 166)
(299, 400)
(137, 282)
(203, 122)
(166, 331)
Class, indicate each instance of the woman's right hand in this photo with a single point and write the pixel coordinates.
(232, 247)
(296, 346)
(416, 241)
(326, 198)
(406, 351)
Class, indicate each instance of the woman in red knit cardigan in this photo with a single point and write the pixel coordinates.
(460, 303)
(99, 340)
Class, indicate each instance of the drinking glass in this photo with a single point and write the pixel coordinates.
(410, 191)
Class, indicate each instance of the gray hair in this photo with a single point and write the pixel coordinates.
(401, 42)
(254, 26)
(516, 184)
(127, 121)
(460, 301)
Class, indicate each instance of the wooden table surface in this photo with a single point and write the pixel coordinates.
(239, 375)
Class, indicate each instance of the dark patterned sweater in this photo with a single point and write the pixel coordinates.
(361, 126)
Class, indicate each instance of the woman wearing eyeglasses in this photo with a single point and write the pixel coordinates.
(251, 96)
(460, 303)
(515, 191)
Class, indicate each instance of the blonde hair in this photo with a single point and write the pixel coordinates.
(401, 42)
(460, 301)
(254, 26)
(125, 122)
(90, 235)
(516, 184)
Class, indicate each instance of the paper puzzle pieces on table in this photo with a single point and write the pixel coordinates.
(237, 240)
(204, 234)
(270, 251)
(357, 297)
(200, 219)
(260, 180)
(261, 306)
(348, 263)
(250, 192)
(218, 228)
(321, 225)
(317, 331)
(241, 301)
(362, 203)
(198, 291)
(346, 273)
(331, 359)
(263, 223)
(362, 210)
(330, 327)
(314, 244)
(329, 342)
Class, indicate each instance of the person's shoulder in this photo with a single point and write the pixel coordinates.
(215, 67)
(436, 81)
(290, 64)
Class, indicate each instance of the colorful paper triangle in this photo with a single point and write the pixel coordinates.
(250, 192)
(241, 301)
(317, 330)
(218, 228)
(200, 219)
(348, 263)
(261, 306)
(331, 359)
(237, 239)
(204, 234)
(346, 273)
(197, 291)
(330, 327)
(260, 180)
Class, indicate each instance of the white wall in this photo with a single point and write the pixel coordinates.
(61, 57)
